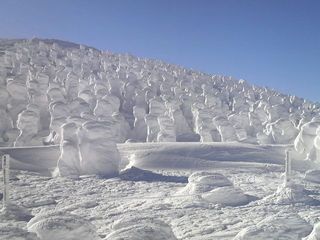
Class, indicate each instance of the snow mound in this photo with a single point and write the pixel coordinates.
(199, 155)
(14, 212)
(312, 176)
(137, 174)
(290, 193)
(215, 188)
(135, 228)
(8, 232)
(315, 234)
(200, 182)
(59, 225)
(282, 226)
(227, 196)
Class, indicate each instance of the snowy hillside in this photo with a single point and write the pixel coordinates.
(46, 83)
(112, 146)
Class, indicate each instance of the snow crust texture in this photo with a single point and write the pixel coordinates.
(151, 204)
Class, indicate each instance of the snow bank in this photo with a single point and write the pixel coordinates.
(192, 155)
(152, 156)
(227, 196)
(8, 232)
(137, 228)
(290, 193)
(201, 182)
(14, 212)
(286, 226)
(52, 225)
(312, 176)
(137, 174)
(215, 188)
(315, 234)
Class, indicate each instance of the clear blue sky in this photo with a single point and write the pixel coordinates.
(274, 43)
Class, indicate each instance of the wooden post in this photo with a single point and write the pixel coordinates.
(6, 178)
(287, 167)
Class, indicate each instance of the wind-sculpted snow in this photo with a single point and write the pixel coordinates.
(312, 176)
(200, 182)
(53, 225)
(215, 188)
(315, 234)
(136, 228)
(136, 174)
(5, 124)
(28, 124)
(159, 204)
(165, 156)
(149, 100)
(305, 141)
(167, 129)
(98, 151)
(140, 128)
(9, 232)
(289, 226)
(317, 144)
(197, 155)
(69, 160)
(13, 212)
(291, 193)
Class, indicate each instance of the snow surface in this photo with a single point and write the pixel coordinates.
(280, 226)
(315, 234)
(229, 195)
(110, 146)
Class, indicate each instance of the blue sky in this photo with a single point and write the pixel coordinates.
(274, 43)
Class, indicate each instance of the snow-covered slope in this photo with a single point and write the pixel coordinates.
(46, 83)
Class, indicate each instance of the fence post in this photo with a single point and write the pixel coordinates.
(287, 167)
(6, 178)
